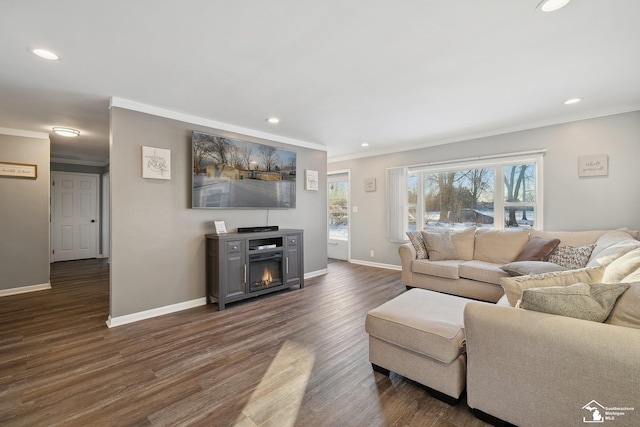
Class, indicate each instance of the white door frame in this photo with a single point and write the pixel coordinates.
(340, 172)
(52, 211)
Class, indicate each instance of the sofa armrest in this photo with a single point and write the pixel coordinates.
(407, 255)
(525, 366)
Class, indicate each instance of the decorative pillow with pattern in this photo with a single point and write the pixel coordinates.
(571, 257)
(415, 237)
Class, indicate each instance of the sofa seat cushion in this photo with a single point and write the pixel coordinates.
(426, 322)
(447, 269)
(482, 271)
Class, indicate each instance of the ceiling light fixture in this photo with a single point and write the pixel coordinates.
(46, 54)
(66, 131)
(572, 101)
(273, 120)
(552, 5)
(364, 144)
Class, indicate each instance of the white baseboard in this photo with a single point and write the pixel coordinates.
(155, 312)
(24, 289)
(316, 273)
(376, 264)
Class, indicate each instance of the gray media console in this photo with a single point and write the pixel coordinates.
(245, 265)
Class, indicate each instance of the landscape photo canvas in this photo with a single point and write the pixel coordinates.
(231, 173)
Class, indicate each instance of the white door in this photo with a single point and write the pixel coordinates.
(338, 215)
(74, 216)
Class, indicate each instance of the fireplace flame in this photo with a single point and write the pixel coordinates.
(267, 279)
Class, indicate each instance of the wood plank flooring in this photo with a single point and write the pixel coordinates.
(294, 358)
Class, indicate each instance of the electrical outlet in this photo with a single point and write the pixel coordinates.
(371, 254)
(354, 209)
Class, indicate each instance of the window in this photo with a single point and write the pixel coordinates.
(501, 192)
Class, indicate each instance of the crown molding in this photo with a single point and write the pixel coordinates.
(24, 133)
(182, 117)
(79, 162)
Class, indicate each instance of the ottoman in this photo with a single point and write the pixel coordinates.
(420, 335)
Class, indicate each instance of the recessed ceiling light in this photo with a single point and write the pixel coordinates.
(66, 131)
(552, 5)
(364, 144)
(46, 54)
(273, 120)
(572, 101)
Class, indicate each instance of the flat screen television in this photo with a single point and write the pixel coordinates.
(229, 173)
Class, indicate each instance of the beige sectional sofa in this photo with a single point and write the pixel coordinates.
(524, 364)
(477, 271)
(534, 368)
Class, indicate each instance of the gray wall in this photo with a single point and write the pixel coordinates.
(570, 202)
(24, 215)
(157, 240)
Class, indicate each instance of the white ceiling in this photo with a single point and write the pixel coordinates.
(395, 74)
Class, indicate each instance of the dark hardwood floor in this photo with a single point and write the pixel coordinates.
(297, 357)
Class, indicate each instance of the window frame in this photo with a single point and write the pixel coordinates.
(497, 163)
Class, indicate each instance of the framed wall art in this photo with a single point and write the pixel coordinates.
(156, 163)
(596, 165)
(18, 170)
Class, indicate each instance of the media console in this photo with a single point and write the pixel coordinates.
(244, 265)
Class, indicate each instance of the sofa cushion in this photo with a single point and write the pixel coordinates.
(426, 322)
(527, 268)
(499, 246)
(623, 267)
(513, 286)
(608, 255)
(537, 249)
(607, 240)
(593, 301)
(481, 271)
(626, 312)
(464, 242)
(570, 256)
(415, 237)
(570, 238)
(439, 246)
(447, 268)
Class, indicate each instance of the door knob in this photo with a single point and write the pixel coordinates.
(93, 220)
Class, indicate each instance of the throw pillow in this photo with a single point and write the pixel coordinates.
(415, 237)
(583, 301)
(513, 286)
(611, 253)
(526, 268)
(571, 257)
(538, 249)
(625, 312)
(439, 246)
(606, 241)
(623, 268)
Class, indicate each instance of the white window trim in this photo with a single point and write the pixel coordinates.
(497, 162)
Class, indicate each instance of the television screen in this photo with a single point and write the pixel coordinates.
(230, 173)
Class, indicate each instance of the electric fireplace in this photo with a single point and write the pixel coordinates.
(265, 270)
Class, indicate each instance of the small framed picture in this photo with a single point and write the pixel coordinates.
(311, 180)
(156, 163)
(18, 170)
(220, 227)
(596, 165)
(370, 184)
